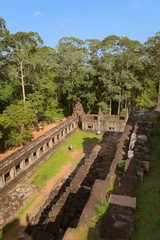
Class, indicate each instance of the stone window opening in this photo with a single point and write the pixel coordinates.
(26, 161)
(18, 168)
(34, 155)
(90, 125)
(7, 177)
(47, 144)
(41, 149)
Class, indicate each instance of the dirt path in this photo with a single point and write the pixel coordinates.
(41, 197)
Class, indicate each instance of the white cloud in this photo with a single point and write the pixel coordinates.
(38, 13)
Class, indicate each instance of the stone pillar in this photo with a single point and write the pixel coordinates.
(22, 164)
(2, 181)
(60, 136)
(64, 134)
(13, 172)
(31, 160)
(55, 139)
(38, 153)
(50, 143)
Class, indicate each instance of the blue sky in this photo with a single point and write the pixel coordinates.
(84, 19)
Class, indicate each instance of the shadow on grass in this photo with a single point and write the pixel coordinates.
(7, 229)
(89, 143)
(94, 232)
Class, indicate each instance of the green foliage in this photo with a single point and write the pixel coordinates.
(54, 114)
(17, 138)
(102, 208)
(121, 165)
(16, 120)
(145, 98)
(104, 107)
(37, 101)
(6, 91)
(123, 112)
(18, 115)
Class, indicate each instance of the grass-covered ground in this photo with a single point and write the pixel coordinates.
(80, 140)
(147, 219)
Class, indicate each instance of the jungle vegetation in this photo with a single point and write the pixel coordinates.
(117, 74)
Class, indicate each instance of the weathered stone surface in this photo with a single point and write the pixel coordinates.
(124, 201)
(118, 223)
(142, 138)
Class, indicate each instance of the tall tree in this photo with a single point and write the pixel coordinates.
(43, 89)
(21, 45)
(127, 66)
(71, 56)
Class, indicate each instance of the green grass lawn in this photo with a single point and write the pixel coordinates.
(79, 140)
(147, 219)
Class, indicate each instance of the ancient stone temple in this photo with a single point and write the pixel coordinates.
(99, 122)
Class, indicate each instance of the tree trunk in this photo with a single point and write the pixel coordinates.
(119, 104)
(110, 106)
(22, 83)
(126, 107)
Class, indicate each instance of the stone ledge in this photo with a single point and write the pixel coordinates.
(124, 201)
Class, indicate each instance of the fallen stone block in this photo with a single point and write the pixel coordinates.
(124, 201)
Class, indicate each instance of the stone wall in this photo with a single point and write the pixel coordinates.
(103, 123)
(99, 122)
(24, 158)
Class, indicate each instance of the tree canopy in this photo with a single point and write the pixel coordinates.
(117, 74)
